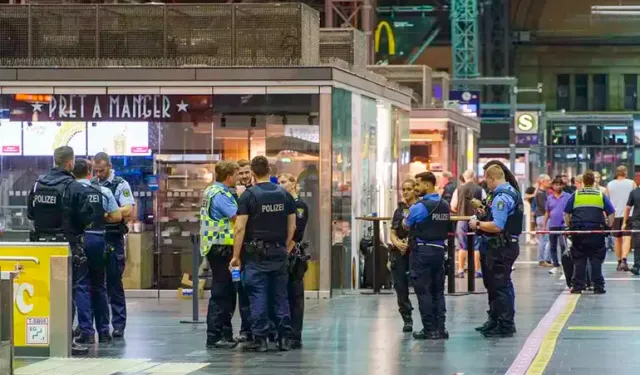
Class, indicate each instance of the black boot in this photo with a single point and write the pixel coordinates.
(443, 334)
(284, 344)
(259, 344)
(78, 350)
(426, 335)
(500, 332)
(244, 337)
(408, 327)
(295, 344)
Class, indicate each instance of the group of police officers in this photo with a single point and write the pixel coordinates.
(255, 229)
(253, 226)
(67, 205)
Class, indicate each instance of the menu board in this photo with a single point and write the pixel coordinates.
(42, 137)
(119, 138)
(11, 139)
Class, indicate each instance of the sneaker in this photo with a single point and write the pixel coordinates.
(478, 275)
(118, 333)
(576, 291)
(619, 268)
(635, 270)
(295, 344)
(625, 266)
(408, 327)
(223, 343)
(244, 337)
(553, 271)
(284, 344)
(599, 291)
(78, 350)
(257, 345)
(421, 335)
(460, 275)
(499, 332)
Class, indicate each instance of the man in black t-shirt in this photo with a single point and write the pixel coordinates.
(263, 237)
(634, 203)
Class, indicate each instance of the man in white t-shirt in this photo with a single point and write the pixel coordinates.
(619, 191)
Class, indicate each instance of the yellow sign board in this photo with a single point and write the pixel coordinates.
(391, 39)
(31, 291)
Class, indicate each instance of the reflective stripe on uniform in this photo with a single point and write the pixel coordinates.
(214, 232)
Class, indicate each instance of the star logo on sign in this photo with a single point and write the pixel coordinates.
(182, 106)
(37, 107)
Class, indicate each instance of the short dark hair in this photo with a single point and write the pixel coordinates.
(102, 156)
(62, 155)
(260, 166)
(81, 168)
(557, 181)
(243, 163)
(588, 178)
(427, 177)
(224, 169)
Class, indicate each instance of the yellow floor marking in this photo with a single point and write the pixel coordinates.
(602, 328)
(545, 353)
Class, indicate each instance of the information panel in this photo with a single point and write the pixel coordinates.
(119, 138)
(11, 139)
(42, 137)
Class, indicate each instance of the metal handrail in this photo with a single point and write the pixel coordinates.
(19, 259)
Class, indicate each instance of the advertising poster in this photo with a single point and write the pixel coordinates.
(41, 138)
(32, 293)
(11, 139)
(119, 138)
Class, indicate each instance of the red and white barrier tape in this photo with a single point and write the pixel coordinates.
(570, 232)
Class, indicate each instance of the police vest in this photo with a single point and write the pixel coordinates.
(93, 203)
(515, 218)
(50, 210)
(121, 227)
(268, 221)
(587, 210)
(437, 225)
(214, 232)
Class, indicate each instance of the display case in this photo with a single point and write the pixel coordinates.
(178, 202)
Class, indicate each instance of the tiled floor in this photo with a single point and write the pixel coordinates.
(357, 334)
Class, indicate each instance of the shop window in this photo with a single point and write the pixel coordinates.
(563, 92)
(582, 92)
(599, 92)
(631, 92)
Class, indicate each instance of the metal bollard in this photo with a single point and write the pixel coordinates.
(196, 281)
(471, 263)
(451, 273)
(6, 323)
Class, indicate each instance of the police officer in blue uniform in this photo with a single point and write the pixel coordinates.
(500, 229)
(298, 259)
(584, 211)
(429, 223)
(399, 255)
(114, 237)
(264, 230)
(91, 296)
(59, 211)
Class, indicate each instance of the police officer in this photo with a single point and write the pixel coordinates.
(114, 238)
(91, 297)
(264, 229)
(244, 182)
(500, 229)
(217, 218)
(399, 255)
(584, 212)
(428, 223)
(56, 205)
(297, 261)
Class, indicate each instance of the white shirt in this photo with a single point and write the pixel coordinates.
(619, 191)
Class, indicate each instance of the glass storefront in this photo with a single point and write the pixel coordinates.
(166, 147)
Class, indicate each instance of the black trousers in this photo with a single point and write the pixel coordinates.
(296, 306)
(400, 275)
(427, 276)
(496, 264)
(588, 248)
(222, 303)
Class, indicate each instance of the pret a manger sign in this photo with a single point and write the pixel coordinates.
(102, 108)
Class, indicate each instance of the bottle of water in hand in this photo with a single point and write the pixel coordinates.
(235, 274)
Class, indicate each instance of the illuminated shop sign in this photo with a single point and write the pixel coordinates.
(390, 38)
(106, 107)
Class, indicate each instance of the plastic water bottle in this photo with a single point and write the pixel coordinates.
(235, 274)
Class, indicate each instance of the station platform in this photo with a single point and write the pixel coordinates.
(558, 333)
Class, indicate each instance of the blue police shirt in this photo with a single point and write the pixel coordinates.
(221, 206)
(418, 213)
(608, 206)
(502, 205)
(123, 193)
